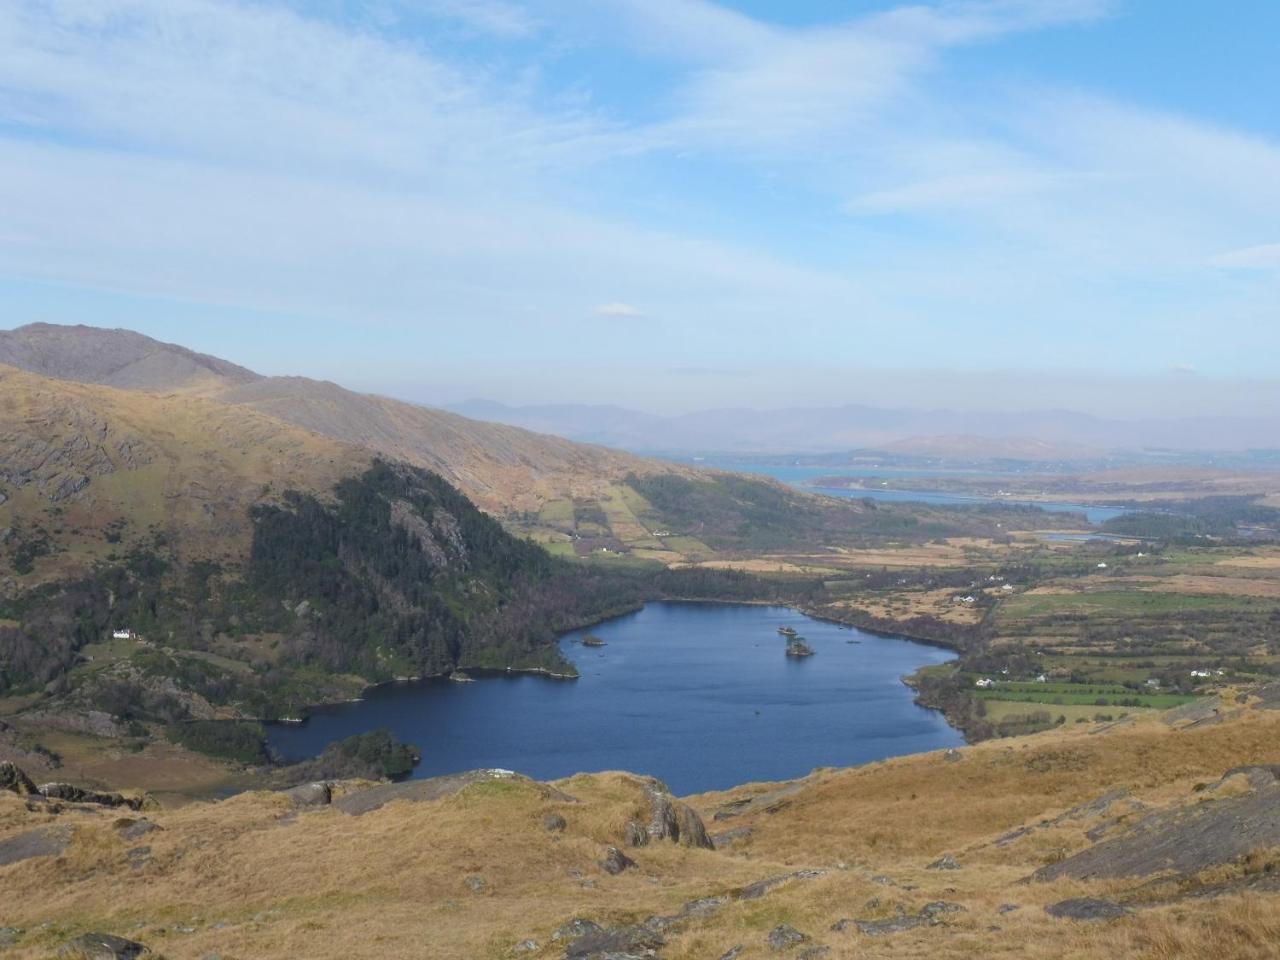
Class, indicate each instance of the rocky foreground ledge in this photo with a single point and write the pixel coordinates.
(1152, 838)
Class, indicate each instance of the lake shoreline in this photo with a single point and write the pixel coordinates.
(675, 669)
(494, 672)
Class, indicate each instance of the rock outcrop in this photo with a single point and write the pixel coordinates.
(14, 780)
(1184, 840)
(930, 914)
(668, 819)
(1091, 909)
(615, 861)
(318, 794)
(44, 842)
(784, 937)
(102, 946)
(73, 794)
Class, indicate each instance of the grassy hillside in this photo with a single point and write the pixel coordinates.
(391, 573)
(1163, 830)
(259, 567)
(507, 471)
(578, 498)
(89, 471)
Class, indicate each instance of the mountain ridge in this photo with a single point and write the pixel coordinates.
(506, 470)
(115, 358)
(836, 429)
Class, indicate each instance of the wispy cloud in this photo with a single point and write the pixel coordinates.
(765, 86)
(616, 309)
(794, 190)
(1264, 256)
(490, 16)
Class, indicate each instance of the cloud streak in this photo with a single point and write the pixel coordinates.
(618, 310)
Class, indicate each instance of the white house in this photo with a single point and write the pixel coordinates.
(1202, 674)
(984, 683)
(1007, 588)
(1102, 566)
(1042, 679)
(125, 634)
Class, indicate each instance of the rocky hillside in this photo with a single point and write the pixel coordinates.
(87, 471)
(504, 469)
(261, 566)
(1150, 839)
(116, 358)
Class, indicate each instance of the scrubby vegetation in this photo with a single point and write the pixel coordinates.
(376, 755)
(732, 512)
(241, 741)
(397, 574)
(1196, 520)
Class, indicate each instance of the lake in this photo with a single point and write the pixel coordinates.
(701, 696)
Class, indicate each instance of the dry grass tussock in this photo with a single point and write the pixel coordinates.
(252, 878)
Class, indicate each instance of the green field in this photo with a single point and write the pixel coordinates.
(1135, 603)
(691, 547)
(1079, 694)
(557, 514)
(998, 710)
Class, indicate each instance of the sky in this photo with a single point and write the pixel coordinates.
(667, 204)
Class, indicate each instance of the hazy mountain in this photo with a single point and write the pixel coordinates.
(502, 468)
(998, 433)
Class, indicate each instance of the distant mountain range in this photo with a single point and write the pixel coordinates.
(1033, 435)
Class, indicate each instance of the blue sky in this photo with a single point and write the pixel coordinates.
(669, 204)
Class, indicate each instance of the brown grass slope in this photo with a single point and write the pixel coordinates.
(505, 470)
(475, 873)
(93, 468)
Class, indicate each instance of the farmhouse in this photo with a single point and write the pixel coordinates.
(984, 683)
(125, 634)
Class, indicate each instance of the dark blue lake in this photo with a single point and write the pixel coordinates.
(700, 695)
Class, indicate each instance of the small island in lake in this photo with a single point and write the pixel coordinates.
(796, 647)
(787, 631)
(591, 640)
(459, 676)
